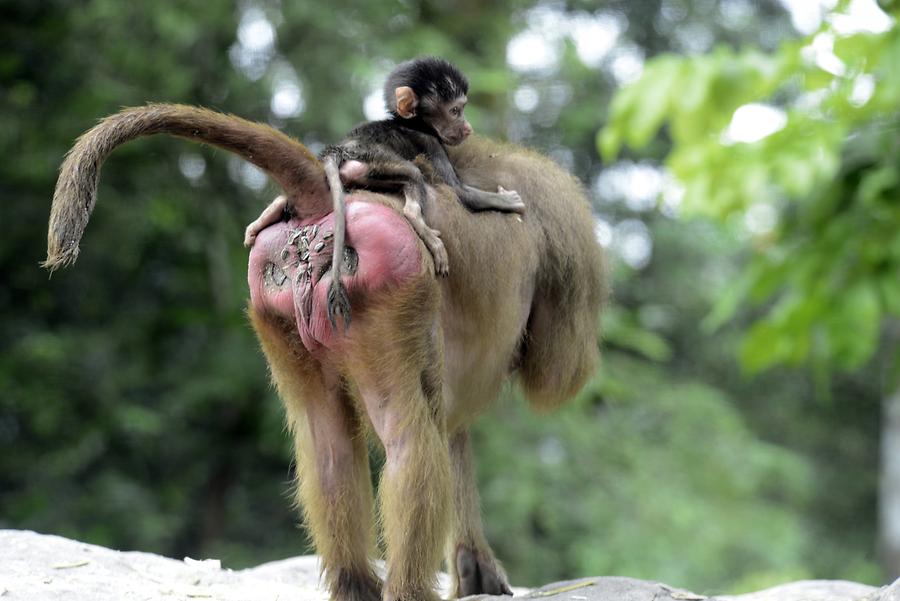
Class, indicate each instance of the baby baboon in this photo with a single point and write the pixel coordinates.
(426, 98)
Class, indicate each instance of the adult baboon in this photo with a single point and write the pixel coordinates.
(423, 356)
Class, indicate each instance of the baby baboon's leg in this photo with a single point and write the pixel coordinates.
(333, 483)
(473, 568)
(386, 172)
(397, 365)
(414, 194)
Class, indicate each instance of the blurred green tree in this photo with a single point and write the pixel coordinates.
(800, 144)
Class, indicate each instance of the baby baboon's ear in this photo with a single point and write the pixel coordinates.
(406, 102)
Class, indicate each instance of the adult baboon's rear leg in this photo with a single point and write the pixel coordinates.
(473, 568)
(333, 481)
(397, 364)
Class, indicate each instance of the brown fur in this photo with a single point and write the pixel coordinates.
(282, 157)
(421, 360)
(338, 513)
(560, 349)
(523, 299)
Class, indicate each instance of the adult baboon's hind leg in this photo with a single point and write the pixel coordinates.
(473, 568)
(397, 364)
(333, 482)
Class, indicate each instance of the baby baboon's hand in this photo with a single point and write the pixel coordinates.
(511, 200)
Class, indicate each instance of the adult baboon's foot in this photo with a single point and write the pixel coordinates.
(478, 573)
(355, 587)
(414, 595)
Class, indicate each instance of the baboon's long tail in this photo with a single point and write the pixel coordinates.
(285, 159)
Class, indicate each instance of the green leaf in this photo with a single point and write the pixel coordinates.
(764, 347)
(642, 109)
(609, 142)
(855, 326)
(620, 329)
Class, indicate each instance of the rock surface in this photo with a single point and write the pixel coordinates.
(49, 568)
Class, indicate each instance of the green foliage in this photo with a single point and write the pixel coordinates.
(826, 273)
(811, 444)
(671, 471)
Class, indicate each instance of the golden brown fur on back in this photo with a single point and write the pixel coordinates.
(559, 350)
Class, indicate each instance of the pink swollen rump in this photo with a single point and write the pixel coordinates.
(289, 270)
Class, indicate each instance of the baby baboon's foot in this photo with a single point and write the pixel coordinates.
(250, 235)
(273, 213)
(439, 254)
(479, 574)
(511, 201)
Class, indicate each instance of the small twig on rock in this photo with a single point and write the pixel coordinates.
(66, 566)
(563, 589)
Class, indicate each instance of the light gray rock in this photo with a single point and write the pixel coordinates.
(39, 567)
(820, 590)
(49, 568)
